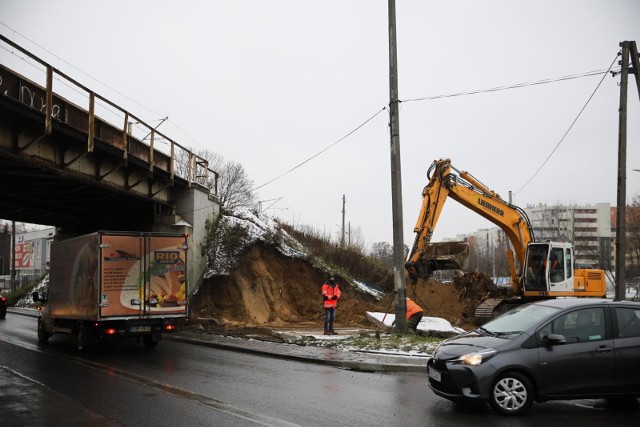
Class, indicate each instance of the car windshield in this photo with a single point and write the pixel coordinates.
(519, 319)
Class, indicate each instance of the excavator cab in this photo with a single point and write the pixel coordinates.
(548, 268)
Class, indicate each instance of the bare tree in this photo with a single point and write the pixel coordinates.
(383, 251)
(356, 238)
(633, 235)
(235, 189)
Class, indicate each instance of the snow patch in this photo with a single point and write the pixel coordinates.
(369, 289)
(431, 326)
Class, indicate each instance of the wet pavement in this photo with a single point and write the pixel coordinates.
(15, 387)
(364, 361)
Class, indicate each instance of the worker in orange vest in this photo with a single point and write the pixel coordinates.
(414, 315)
(330, 296)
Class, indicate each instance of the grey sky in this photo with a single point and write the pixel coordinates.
(271, 83)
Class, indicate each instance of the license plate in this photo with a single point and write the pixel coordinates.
(140, 329)
(434, 374)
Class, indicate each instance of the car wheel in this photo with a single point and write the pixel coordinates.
(43, 335)
(511, 394)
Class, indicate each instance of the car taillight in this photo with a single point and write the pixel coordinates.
(3, 299)
(110, 331)
(169, 327)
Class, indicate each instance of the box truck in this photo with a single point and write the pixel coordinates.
(113, 285)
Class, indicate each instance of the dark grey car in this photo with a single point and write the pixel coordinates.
(555, 349)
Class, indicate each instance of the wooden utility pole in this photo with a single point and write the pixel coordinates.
(344, 200)
(629, 48)
(396, 177)
(13, 256)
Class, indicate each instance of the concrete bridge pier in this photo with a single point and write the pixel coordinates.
(194, 206)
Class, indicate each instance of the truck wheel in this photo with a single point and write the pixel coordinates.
(511, 394)
(43, 335)
(81, 337)
(149, 342)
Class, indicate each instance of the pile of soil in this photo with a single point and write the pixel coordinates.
(456, 301)
(271, 290)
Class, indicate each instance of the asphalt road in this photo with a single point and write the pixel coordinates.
(182, 384)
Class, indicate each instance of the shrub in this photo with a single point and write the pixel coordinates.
(226, 239)
(350, 259)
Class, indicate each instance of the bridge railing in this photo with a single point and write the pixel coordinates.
(103, 120)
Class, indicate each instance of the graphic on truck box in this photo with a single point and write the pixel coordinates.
(143, 275)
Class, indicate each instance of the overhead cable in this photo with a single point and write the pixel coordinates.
(570, 127)
(322, 151)
(513, 86)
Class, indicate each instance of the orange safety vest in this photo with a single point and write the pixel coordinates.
(412, 308)
(329, 291)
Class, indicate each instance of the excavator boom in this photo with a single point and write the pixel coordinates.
(447, 182)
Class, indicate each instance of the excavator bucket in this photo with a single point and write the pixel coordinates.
(448, 255)
(440, 256)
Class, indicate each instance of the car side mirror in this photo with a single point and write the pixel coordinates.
(556, 339)
(37, 298)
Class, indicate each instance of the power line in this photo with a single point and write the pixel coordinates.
(570, 127)
(77, 69)
(322, 151)
(467, 93)
(513, 86)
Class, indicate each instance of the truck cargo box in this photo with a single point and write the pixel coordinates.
(137, 281)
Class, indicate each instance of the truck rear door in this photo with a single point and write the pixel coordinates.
(143, 274)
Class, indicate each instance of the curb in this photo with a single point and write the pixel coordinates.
(359, 361)
(355, 361)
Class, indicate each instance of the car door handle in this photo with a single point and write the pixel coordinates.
(604, 349)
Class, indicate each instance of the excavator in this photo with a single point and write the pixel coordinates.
(544, 269)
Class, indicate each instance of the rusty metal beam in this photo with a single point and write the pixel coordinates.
(100, 177)
(153, 194)
(125, 136)
(153, 134)
(48, 115)
(91, 131)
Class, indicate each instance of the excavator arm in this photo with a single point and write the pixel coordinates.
(447, 182)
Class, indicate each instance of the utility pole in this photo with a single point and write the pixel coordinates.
(13, 256)
(621, 214)
(344, 200)
(396, 177)
(629, 48)
(621, 240)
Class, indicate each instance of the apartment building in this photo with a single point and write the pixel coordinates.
(588, 227)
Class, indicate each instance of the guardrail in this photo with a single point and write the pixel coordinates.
(126, 136)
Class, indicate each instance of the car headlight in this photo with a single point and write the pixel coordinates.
(476, 358)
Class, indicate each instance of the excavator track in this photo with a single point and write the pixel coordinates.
(484, 311)
(495, 307)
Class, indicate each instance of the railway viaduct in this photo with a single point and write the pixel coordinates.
(63, 164)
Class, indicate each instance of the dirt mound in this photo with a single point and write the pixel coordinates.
(456, 301)
(269, 289)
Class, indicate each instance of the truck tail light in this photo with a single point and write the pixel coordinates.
(169, 327)
(110, 331)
